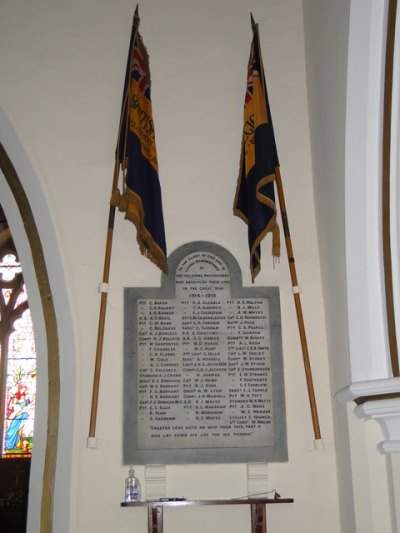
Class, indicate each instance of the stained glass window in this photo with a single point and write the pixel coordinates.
(17, 360)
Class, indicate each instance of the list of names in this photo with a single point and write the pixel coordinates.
(203, 363)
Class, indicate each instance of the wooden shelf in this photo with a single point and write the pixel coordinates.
(257, 505)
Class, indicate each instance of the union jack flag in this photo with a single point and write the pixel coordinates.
(255, 197)
(140, 69)
(252, 73)
(136, 155)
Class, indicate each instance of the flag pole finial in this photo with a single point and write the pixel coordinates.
(253, 23)
(136, 15)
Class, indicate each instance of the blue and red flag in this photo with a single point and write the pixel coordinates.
(136, 155)
(255, 196)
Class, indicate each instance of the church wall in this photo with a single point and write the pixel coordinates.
(345, 43)
(62, 66)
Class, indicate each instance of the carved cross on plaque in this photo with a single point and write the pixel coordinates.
(203, 376)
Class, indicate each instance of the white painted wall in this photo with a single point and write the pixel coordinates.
(345, 43)
(62, 66)
(326, 30)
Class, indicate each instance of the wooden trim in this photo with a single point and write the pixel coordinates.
(46, 515)
(386, 140)
(362, 399)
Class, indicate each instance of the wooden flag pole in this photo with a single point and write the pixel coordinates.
(102, 313)
(107, 256)
(297, 302)
(293, 274)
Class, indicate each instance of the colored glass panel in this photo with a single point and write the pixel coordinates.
(20, 384)
(9, 266)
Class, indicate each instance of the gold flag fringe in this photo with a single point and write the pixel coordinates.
(276, 241)
(115, 198)
(130, 203)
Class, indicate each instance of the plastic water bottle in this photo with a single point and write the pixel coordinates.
(132, 487)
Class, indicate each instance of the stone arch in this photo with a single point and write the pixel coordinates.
(28, 214)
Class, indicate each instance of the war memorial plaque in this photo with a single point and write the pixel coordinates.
(203, 370)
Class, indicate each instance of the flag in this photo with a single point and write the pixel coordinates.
(255, 197)
(136, 155)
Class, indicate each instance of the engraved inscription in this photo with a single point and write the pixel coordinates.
(204, 377)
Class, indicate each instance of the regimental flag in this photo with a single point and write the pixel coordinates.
(136, 156)
(255, 197)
